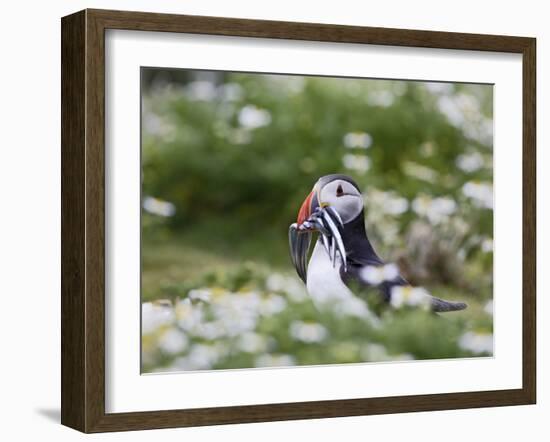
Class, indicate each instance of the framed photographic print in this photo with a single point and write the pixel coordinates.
(268, 220)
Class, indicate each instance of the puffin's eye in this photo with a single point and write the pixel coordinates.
(339, 190)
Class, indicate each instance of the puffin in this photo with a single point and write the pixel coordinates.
(335, 210)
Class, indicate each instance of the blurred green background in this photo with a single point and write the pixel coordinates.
(228, 159)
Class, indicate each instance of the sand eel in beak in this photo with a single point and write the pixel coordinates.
(334, 209)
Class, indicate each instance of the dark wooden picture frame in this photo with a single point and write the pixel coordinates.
(83, 220)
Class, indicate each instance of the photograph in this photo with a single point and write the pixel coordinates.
(300, 220)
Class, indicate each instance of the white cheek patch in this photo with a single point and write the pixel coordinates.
(348, 205)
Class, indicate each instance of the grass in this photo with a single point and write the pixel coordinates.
(209, 249)
(256, 324)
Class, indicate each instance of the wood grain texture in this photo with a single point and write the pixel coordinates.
(145, 21)
(83, 220)
(95, 221)
(73, 253)
(529, 220)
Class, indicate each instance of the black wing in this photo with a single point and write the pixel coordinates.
(360, 254)
(352, 277)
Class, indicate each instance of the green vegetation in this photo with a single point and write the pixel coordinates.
(228, 159)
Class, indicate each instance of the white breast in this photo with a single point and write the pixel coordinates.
(324, 283)
(327, 289)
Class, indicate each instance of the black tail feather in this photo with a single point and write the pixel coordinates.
(440, 305)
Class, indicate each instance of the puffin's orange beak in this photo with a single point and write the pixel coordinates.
(315, 216)
(300, 237)
(305, 210)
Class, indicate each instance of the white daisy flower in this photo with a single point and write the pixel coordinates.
(487, 245)
(189, 316)
(272, 304)
(420, 171)
(409, 296)
(200, 90)
(199, 295)
(275, 282)
(489, 307)
(435, 209)
(251, 342)
(354, 140)
(158, 207)
(359, 163)
(155, 315)
(252, 117)
(382, 98)
(470, 162)
(376, 275)
(200, 357)
(476, 342)
(173, 341)
(396, 206)
(480, 193)
(308, 332)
